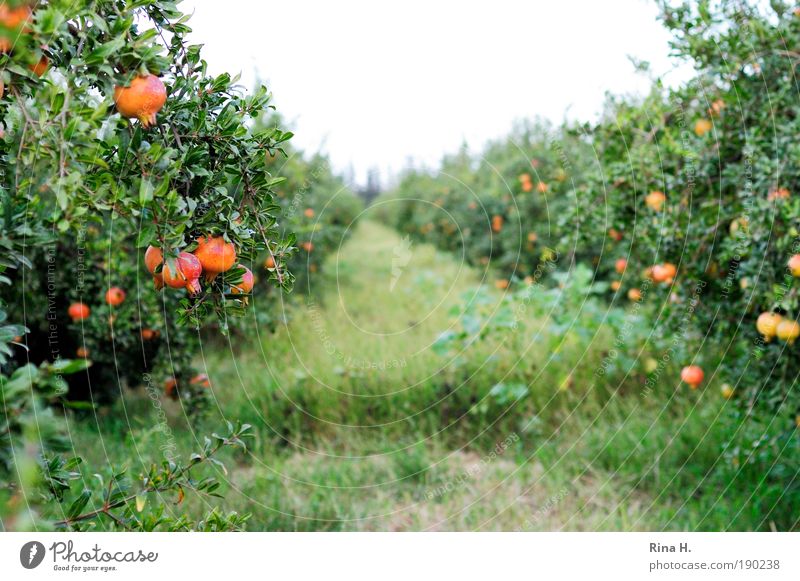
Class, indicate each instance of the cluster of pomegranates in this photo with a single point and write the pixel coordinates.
(211, 257)
(171, 384)
(662, 273)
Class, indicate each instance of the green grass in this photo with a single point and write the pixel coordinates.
(361, 425)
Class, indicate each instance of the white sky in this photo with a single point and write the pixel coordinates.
(372, 83)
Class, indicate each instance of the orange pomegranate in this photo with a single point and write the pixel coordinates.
(615, 285)
(615, 234)
(501, 284)
(524, 178)
(201, 379)
(215, 255)
(41, 66)
(620, 265)
(82, 352)
(269, 262)
(14, 20)
(171, 388)
(794, 265)
(149, 334)
(187, 272)
(309, 213)
(542, 187)
(247, 283)
(692, 375)
(307, 246)
(778, 194)
(635, 294)
(142, 100)
(78, 312)
(788, 331)
(497, 223)
(532, 237)
(655, 200)
(664, 272)
(527, 187)
(702, 126)
(115, 296)
(153, 259)
(767, 324)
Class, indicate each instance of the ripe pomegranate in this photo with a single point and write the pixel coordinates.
(201, 379)
(655, 200)
(794, 265)
(171, 388)
(14, 20)
(524, 178)
(215, 255)
(115, 296)
(501, 284)
(527, 187)
(188, 271)
(247, 283)
(307, 246)
(716, 107)
(309, 213)
(664, 272)
(41, 66)
(767, 325)
(702, 127)
(635, 294)
(532, 237)
(153, 259)
(615, 285)
(692, 375)
(269, 262)
(778, 194)
(78, 312)
(788, 331)
(497, 223)
(149, 334)
(82, 352)
(542, 187)
(143, 99)
(615, 234)
(620, 265)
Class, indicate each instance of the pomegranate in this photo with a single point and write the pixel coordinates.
(171, 388)
(620, 265)
(115, 296)
(615, 234)
(542, 187)
(153, 259)
(788, 331)
(143, 99)
(215, 255)
(692, 375)
(497, 223)
(309, 213)
(501, 284)
(188, 270)
(201, 379)
(527, 187)
(635, 294)
(767, 325)
(794, 265)
(615, 285)
(149, 334)
(269, 262)
(82, 352)
(307, 246)
(727, 391)
(78, 312)
(702, 127)
(664, 272)
(655, 200)
(247, 283)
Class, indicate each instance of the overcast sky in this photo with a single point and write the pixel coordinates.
(373, 83)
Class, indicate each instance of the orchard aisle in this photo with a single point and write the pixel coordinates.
(359, 427)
